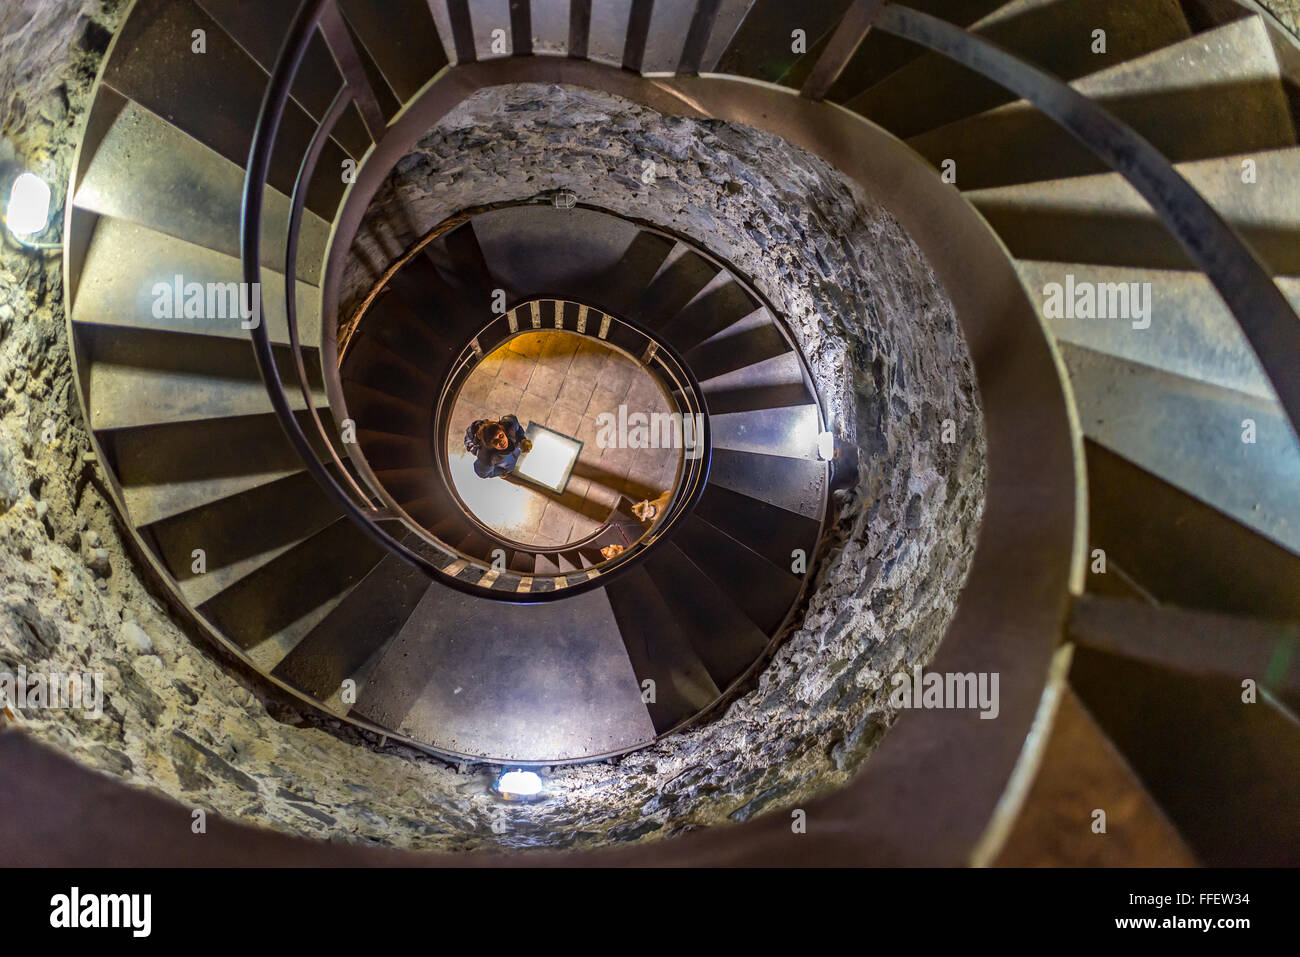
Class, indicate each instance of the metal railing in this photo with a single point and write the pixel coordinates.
(1262, 312)
(653, 355)
(1260, 309)
(364, 501)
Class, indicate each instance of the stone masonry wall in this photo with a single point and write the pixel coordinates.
(880, 337)
(180, 720)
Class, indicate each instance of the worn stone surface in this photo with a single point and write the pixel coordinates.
(1286, 11)
(880, 336)
(180, 719)
(41, 40)
(176, 718)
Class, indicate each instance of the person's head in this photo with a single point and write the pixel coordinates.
(494, 436)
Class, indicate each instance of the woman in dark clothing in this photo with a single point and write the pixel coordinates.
(496, 446)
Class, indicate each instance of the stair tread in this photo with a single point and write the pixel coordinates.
(932, 90)
(719, 306)
(763, 590)
(790, 431)
(276, 607)
(577, 253)
(354, 636)
(1189, 433)
(217, 102)
(550, 27)
(458, 256)
(432, 301)
(401, 38)
(669, 25)
(148, 172)
(784, 369)
(607, 31)
(726, 640)
(744, 342)
(351, 388)
(1102, 219)
(882, 54)
(660, 651)
(765, 529)
(795, 485)
(143, 377)
(130, 269)
(164, 470)
(513, 682)
(1191, 331)
(240, 534)
(762, 47)
(683, 276)
(389, 450)
(1215, 94)
(370, 361)
(258, 29)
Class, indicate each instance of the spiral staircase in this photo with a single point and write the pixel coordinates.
(325, 561)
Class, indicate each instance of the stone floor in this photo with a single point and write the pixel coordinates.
(564, 381)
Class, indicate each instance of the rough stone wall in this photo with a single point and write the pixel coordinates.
(180, 720)
(176, 719)
(1287, 11)
(880, 336)
(39, 40)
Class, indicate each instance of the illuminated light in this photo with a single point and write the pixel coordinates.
(550, 461)
(518, 785)
(826, 446)
(28, 209)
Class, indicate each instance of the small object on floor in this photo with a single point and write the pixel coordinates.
(650, 510)
(611, 551)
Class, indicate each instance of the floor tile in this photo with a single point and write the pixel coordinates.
(565, 421)
(477, 388)
(582, 527)
(533, 409)
(643, 395)
(588, 360)
(617, 373)
(575, 394)
(558, 350)
(545, 383)
(602, 400)
(517, 370)
(603, 495)
(503, 399)
(491, 366)
(529, 344)
(556, 523)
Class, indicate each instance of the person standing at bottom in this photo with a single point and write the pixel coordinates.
(497, 445)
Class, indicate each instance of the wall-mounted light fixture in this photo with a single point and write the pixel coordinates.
(518, 785)
(25, 201)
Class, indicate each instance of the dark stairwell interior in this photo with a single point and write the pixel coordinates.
(909, 459)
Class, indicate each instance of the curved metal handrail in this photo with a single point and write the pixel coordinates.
(274, 101)
(367, 516)
(679, 377)
(467, 356)
(297, 204)
(1259, 308)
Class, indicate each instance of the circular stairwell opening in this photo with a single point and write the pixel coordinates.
(577, 387)
(873, 331)
(869, 321)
